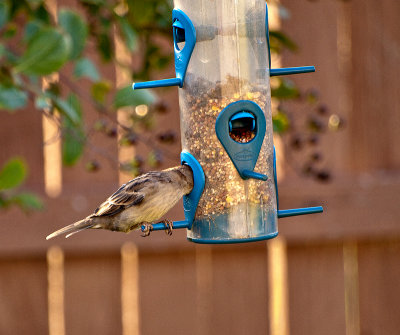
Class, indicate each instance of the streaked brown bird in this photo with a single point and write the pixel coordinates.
(140, 201)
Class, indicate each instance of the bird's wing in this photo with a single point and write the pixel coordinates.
(127, 195)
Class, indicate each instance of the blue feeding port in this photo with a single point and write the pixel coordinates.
(242, 121)
(184, 35)
(248, 117)
(191, 200)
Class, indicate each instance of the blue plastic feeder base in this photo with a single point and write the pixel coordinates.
(240, 224)
(233, 240)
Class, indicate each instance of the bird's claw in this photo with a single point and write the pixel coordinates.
(169, 225)
(146, 229)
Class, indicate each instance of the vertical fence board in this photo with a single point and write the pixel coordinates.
(375, 120)
(240, 290)
(93, 295)
(312, 25)
(23, 297)
(167, 293)
(379, 273)
(316, 290)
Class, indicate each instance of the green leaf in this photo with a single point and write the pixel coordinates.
(105, 46)
(128, 97)
(279, 40)
(42, 102)
(27, 201)
(93, 2)
(77, 29)
(85, 68)
(74, 137)
(47, 51)
(67, 108)
(12, 174)
(3, 50)
(129, 34)
(154, 159)
(99, 91)
(3, 201)
(12, 98)
(75, 104)
(73, 145)
(34, 80)
(41, 13)
(4, 12)
(34, 2)
(285, 90)
(11, 57)
(10, 30)
(31, 28)
(280, 122)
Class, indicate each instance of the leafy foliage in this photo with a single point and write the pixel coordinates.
(76, 28)
(128, 97)
(46, 52)
(12, 98)
(74, 136)
(12, 176)
(84, 67)
(4, 12)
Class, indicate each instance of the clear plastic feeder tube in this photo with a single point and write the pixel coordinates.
(229, 63)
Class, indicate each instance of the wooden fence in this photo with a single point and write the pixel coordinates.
(335, 273)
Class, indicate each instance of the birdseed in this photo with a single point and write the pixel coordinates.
(224, 188)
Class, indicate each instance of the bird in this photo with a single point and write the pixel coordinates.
(139, 202)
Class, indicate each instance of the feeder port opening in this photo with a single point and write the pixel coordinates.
(179, 35)
(242, 127)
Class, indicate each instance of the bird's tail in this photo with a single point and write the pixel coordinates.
(73, 228)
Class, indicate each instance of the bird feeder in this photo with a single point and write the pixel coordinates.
(223, 70)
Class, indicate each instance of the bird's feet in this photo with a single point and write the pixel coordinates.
(168, 226)
(146, 229)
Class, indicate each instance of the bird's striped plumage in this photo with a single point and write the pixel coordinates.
(142, 200)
